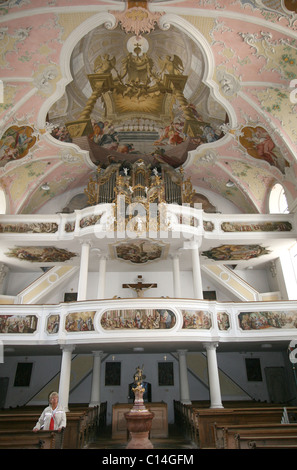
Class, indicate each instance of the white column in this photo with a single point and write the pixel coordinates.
(65, 372)
(102, 277)
(83, 273)
(197, 280)
(213, 376)
(176, 276)
(95, 390)
(183, 378)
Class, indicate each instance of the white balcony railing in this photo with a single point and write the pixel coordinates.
(150, 320)
(100, 220)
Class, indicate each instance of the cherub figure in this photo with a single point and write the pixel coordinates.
(104, 64)
(171, 65)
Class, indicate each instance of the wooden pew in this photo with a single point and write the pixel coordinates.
(27, 440)
(82, 427)
(205, 419)
(266, 442)
(18, 421)
(73, 433)
(226, 435)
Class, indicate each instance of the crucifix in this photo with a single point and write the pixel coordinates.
(139, 287)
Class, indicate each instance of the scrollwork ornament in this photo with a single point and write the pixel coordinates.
(164, 23)
(111, 22)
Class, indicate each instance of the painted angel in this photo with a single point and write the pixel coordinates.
(171, 65)
(104, 64)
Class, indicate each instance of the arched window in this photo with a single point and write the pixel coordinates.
(2, 202)
(278, 203)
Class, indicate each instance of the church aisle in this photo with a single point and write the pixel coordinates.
(175, 440)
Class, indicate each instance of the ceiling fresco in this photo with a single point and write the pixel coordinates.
(153, 103)
(206, 86)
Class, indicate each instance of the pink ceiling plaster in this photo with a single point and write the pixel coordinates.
(237, 6)
(245, 61)
(23, 5)
(40, 45)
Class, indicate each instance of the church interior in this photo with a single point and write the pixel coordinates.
(148, 200)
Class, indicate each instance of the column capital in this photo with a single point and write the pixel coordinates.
(210, 346)
(86, 241)
(175, 255)
(182, 352)
(97, 353)
(67, 347)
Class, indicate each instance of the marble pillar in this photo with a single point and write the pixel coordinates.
(95, 388)
(83, 272)
(183, 378)
(213, 376)
(64, 385)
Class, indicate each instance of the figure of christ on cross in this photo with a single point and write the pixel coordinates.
(139, 288)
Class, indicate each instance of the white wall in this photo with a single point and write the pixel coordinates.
(233, 364)
(114, 280)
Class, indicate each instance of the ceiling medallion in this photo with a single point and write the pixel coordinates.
(137, 20)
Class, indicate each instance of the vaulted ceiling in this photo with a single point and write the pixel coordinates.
(232, 66)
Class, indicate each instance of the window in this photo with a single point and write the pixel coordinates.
(2, 202)
(23, 374)
(293, 254)
(277, 200)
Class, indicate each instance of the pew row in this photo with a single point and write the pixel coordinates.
(266, 442)
(226, 437)
(28, 440)
(198, 424)
(83, 424)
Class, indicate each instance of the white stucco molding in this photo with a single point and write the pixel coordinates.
(170, 19)
(106, 19)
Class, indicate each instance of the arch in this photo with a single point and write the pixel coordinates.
(277, 200)
(3, 202)
(110, 22)
(106, 19)
(188, 29)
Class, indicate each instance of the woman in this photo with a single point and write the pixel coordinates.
(53, 416)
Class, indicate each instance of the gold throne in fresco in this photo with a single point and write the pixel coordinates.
(135, 88)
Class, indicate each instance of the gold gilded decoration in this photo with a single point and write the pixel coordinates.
(139, 192)
(138, 87)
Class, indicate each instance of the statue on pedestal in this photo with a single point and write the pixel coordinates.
(139, 419)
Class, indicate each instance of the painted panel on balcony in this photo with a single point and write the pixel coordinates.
(235, 252)
(32, 227)
(265, 320)
(40, 254)
(223, 321)
(53, 324)
(80, 321)
(196, 319)
(18, 324)
(257, 227)
(136, 319)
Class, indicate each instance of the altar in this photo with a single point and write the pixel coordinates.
(159, 424)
